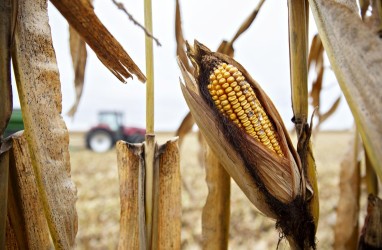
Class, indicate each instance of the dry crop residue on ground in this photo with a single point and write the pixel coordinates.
(96, 177)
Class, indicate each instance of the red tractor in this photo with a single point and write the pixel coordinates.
(109, 130)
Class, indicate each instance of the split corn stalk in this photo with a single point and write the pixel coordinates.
(250, 139)
(38, 85)
(166, 217)
(25, 208)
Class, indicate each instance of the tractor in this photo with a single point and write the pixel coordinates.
(109, 130)
(15, 123)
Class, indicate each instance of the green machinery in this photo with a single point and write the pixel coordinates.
(15, 123)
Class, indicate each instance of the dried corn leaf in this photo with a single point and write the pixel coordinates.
(315, 52)
(226, 48)
(5, 64)
(81, 17)
(180, 42)
(38, 85)
(354, 53)
(185, 127)
(317, 88)
(79, 56)
(346, 228)
(331, 110)
(25, 209)
(247, 23)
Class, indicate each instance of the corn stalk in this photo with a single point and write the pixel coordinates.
(346, 229)
(38, 86)
(298, 49)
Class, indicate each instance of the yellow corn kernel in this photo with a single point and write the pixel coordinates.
(235, 98)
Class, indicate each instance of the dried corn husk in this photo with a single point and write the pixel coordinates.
(272, 183)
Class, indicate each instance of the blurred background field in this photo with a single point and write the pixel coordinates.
(96, 177)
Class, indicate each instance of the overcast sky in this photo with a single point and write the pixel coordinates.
(262, 50)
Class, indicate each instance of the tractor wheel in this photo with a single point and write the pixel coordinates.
(136, 138)
(99, 140)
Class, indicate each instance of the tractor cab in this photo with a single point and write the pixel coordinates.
(109, 130)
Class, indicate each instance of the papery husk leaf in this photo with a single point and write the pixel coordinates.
(81, 17)
(79, 55)
(355, 55)
(231, 160)
(270, 181)
(39, 89)
(211, 127)
(290, 171)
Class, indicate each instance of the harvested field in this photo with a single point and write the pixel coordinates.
(96, 177)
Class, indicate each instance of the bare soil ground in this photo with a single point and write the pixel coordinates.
(96, 177)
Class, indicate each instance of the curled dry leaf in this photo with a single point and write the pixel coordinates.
(259, 157)
(81, 17)
(79, 56)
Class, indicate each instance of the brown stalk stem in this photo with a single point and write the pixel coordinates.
(298, 54)
(346, 228)
(5, 63)
(298, 49)
(148, 33)
(169, 205)
(4, 172)
(149, 71)
(130, 160)
(216, 211)
(25, 208)
(371, 177)
(150, 147)
(150, 137)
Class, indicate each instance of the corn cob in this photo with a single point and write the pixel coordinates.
(235, 98)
